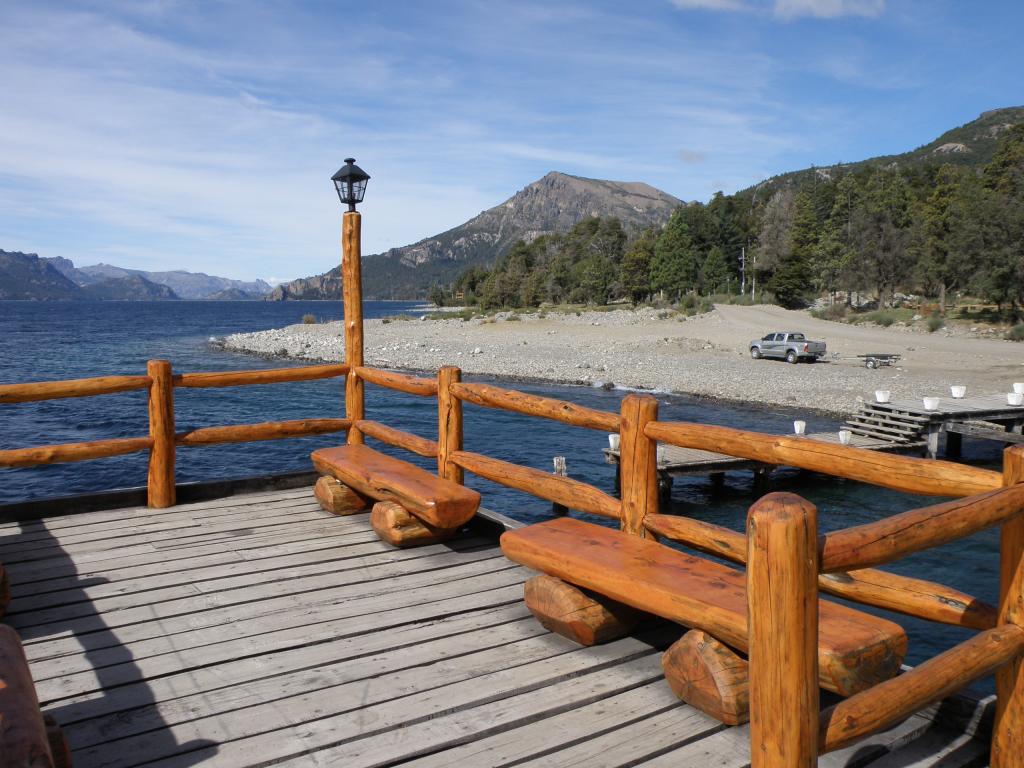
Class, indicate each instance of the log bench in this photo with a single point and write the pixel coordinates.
(24, 736)
(414, 506)
(856, 650)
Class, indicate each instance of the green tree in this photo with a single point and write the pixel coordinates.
(635, 271)
(951, 239)
(715, 272)
(437, 295)
(674, 266)
(791, 280)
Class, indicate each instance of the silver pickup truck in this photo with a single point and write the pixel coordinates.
(792, 347)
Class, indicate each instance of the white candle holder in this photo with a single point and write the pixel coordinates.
(931, 403)
(1018, 387)
(845, 436)
(882, 395)
(799, 427)
(1015, 398)
(958, 391)
(613, 442)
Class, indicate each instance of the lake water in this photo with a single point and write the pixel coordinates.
(41, 341)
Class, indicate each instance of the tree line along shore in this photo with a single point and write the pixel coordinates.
(881, 231)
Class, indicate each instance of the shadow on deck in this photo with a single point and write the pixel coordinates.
(257, 630)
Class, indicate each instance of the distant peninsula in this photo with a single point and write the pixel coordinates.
(27, 276)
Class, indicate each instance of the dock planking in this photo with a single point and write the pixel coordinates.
(258, 630)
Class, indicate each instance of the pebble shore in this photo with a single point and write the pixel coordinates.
(645, 349)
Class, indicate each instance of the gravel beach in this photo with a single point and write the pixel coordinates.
(706, 355)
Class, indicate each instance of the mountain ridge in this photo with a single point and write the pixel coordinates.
(554, 203)
(28, 276)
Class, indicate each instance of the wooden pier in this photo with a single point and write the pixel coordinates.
(257, 629)
(959, 417)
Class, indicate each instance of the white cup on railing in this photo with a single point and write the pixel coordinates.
(613, 441)
(882, 395)
(931, 403)
(845, 436)
(799, 427)
(958, 391)
(1018, 387)
(1015, 398)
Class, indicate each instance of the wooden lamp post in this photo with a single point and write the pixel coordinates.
(350, 181)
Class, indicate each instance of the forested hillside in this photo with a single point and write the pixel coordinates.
(922, 225)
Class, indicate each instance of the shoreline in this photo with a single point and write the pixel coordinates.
(704, 357)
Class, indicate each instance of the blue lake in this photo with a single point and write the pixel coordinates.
(42, 341)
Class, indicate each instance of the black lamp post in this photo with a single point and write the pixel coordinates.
(350, 181)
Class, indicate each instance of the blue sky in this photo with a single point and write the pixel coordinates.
(161, 134)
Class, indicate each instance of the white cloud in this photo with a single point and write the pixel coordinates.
(828, 9)
(711, 5)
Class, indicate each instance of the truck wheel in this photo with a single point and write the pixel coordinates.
(791, 357)
(755, 353)
(871, 364)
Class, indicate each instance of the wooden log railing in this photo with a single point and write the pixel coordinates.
(555, 488)
(52, 390)
(927, 477)
(902, 594)
(161, 443)
(400, 382)
(398, 438)
(270, 430)
(534, 405)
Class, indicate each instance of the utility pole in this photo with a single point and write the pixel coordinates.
(743, 270)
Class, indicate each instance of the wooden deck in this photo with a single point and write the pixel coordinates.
(257, 630)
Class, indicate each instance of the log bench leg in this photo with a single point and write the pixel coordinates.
(400, 528)
(710, 676)
(58, 744)
(580, 616)
(5, 591)
(337, 498)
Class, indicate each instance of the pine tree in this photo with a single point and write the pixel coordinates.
(674, 266)
(792, 278)
(715, 271)
(635, 272)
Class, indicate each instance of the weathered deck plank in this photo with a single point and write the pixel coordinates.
(255, 629)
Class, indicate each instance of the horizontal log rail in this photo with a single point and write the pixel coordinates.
(560, 490)
(265, 376)
(900, 473)
(944, 674)
(400, 382)
(270, 430)
(398, 438)
(68, 452)
(534, 405)
(56, 390)
(894, 537)
(902, 594)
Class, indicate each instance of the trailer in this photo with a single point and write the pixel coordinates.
(871, 360)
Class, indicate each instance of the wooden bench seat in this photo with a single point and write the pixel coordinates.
(856, 650)
(434, 500)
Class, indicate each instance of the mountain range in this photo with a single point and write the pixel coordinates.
(28, 276)
(551, 204)
(558, 201)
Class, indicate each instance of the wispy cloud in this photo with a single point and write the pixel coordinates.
(828, 9)
(202, 135)
(790, 9)
(711, 5)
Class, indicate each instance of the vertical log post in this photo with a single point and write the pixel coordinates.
(352, 296)
(1008, 734)
(638, 463)
(449, 424)
(782, 608)
(160, 485)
